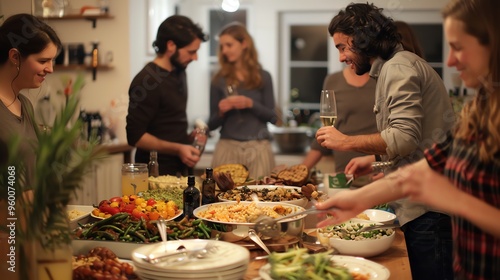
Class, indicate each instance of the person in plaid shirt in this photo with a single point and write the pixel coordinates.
(466, 166)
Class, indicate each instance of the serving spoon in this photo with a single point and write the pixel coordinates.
(375, 227)
(255, 238)
(270, 227)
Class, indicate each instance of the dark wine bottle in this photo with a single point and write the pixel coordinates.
(191, 198)
(208, 188)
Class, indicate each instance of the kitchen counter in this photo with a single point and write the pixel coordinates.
(118, 148)
(326, 164)
(206, 158)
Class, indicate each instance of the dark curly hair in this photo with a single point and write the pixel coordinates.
(373, 34)
(181, 30)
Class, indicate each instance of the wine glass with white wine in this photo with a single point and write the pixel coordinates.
(328, 108)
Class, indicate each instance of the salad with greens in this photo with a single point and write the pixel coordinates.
(296, 264)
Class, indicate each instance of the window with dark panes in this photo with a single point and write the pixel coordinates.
(430, 37)
(308, 62)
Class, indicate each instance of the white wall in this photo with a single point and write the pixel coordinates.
(13, 7)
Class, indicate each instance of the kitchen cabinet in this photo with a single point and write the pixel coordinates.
(103, 180)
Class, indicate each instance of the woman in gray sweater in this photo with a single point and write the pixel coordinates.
(241, 104)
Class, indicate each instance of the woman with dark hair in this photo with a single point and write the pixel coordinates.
(241, 103)
(460, 175)
(412, 110)
(28, 47)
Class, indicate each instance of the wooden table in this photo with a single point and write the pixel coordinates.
(395, 259)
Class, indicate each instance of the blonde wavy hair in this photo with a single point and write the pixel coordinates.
(249, 61)
(479, 120)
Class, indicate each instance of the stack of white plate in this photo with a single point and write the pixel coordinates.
(224, 261)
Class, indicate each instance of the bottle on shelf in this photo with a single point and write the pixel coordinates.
(208, 188)
(104, 6)
(95, 59)
(153, 166)
(190, 198)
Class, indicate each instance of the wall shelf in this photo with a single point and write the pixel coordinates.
(82, 67)
(92, 18)
(74, 67)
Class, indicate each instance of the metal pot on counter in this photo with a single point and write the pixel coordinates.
(238, 232)
(292, 139)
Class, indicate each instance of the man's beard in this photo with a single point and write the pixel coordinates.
(176, 63)
(362, 63)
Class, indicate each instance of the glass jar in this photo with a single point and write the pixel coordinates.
(134, 178)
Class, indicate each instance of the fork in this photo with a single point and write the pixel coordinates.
(182, 254)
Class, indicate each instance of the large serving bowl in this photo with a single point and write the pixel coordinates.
(359, 246)
(266, 193)
(290, 229)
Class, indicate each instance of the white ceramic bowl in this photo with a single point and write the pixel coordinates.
(302, 202)
(78, 213)
(380, 216)
(361, 248)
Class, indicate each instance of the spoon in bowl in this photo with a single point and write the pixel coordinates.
(255, 238)
(270, 227)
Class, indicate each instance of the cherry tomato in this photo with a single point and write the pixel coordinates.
(116, 198)
(103, 202)
(128, 208)
(109, 210)
(138, 214)
(103, 205)
(153, 216)
(151, 202)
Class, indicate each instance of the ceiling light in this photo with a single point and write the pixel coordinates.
(230, 5)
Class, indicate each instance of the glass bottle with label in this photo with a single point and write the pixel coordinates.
(190, 198)
(153, 166)
(208, 188)
(200, 135)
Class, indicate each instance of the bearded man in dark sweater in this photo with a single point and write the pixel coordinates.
(157, 118)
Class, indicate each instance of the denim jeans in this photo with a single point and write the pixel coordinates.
(429, 243)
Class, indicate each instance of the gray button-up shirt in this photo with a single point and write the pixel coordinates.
(413, 111)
